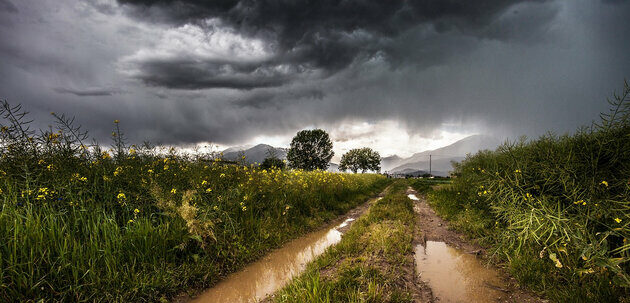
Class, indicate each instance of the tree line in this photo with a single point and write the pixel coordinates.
(312, 149)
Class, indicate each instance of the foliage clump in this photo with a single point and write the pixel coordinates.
(310, 150)
(362, 159)
(272, 161)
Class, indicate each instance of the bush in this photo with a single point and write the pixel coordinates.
(272, 163)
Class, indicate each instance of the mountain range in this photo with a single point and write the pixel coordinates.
(416, 164)
(440, 159)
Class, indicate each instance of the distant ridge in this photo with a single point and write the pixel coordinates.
(254, 154)
(443, 157)
(418, 163)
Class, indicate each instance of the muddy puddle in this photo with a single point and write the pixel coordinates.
(264, 277)
(456, 276)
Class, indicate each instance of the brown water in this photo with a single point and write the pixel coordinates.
(264, 277)
(455, 276)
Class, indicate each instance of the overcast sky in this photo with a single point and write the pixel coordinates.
(399, 76)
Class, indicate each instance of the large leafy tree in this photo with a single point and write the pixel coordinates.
(363, 159)
(310, 149)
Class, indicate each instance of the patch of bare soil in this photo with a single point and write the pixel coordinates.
(430, 227)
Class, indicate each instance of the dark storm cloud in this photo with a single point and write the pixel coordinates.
(200, 75)
(88, 92)
(7, 6)
(325, 36)
(186, 72)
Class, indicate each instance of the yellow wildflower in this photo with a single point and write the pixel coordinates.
(604, 183)
(208, 190)
(204, 182)
(116, 121)
(173, 191)
(617, 220)
(136, 211)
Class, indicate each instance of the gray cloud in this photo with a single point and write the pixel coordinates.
(232, 71)
(325, 36)
(7, 6)
(88, 92)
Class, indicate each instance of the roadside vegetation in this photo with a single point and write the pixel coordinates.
(369, 262)
(135, 223)
(556, 210)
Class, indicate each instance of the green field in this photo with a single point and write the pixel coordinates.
(82, 224)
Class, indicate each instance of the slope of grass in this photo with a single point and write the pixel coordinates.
(81, 224)
(366, 265)
(555, 209)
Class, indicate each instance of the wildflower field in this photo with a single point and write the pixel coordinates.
(556, 210)
(79, 223)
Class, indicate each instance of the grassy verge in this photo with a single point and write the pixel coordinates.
(366, 265)
(556, 210)
(83, 249)
(78, 223)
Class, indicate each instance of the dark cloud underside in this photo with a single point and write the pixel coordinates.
(179, 72)
(308, 35)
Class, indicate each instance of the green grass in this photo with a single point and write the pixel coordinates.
(555, 210)
(366, 265)
(135, 224)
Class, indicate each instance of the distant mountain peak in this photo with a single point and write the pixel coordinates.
(254, 154)
(443, 157)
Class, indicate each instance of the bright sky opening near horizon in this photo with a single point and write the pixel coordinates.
(399, 76)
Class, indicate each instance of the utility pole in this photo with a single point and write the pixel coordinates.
(430, 173)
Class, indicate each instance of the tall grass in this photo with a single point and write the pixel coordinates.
(557, 209)
(368, 264)
(81, 223)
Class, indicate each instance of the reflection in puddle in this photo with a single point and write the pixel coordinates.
(264, 277)
(413, 197)
(345, 223)
(455, 276)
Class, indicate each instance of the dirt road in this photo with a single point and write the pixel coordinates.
(449, 268)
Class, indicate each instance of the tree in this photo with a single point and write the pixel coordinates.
(310, 149)
(360, 159)
(272, 161)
